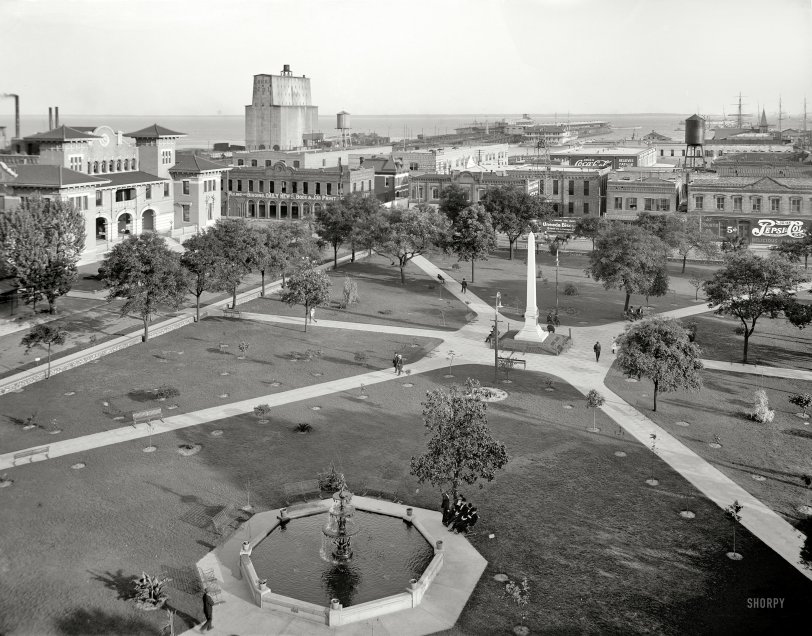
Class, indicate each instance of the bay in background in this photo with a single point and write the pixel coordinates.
(204, 130)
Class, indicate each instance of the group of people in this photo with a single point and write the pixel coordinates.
(633, 314)
(459, 517)
(552, 318)
(397, 362)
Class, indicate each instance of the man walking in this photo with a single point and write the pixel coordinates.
(464, 285)
(313, 315)
(597, 350)
(400, 364)
(395, 362)
(208, 611)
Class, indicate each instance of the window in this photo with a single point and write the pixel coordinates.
(148, 190)
(329, 188)
(112, 165)
(132, 164)
(268, 163)
(586, 188)
(369, 185)
(239, 185)
(672, 152)
(362, 186)
(618, 203)
(647, 204)
(354, 187)
(261, 185)
(414, 166)
(586, 207)
(186, 187)
(295, 187)
(699, 201)
(98, 198)
(756, 202)
(775, 204)
(435, 193)
(631, 203)
(296, 163)
(305, 189)
(284, 187)
(386, 182)
(737, 204)
(230, 185)
(571, 187)
(76, 163)
(664, 205)
(795, 206)
(186, 217)
(118, 165)
(720, 203)
(571, 208)
(240, 162)
(318, 188)
(271, 186)
(210, 210)
(252, 209)
(253, 163)
(250, 186)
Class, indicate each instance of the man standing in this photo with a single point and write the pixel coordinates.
(208, 611)
(597, 350)
(464, 285)
(400, 364)
(313, 315)
(395, 361)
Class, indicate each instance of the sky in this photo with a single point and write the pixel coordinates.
(376, 57)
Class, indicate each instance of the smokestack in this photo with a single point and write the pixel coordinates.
(50, 118)
(56, 116)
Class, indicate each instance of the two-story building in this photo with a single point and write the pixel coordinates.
(391, 178)
(427, 188)
(628, 194)
(198, 188)
(572, 190)
(281, 192)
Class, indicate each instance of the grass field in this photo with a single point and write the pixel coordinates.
(779, 451)
(603, 551)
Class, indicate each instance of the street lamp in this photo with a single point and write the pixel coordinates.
(496, 306)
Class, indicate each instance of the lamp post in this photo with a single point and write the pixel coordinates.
(496, 336)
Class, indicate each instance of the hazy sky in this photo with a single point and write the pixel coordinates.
(188, 57)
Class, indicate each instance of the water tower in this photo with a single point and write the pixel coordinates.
(343, 126)
(694, 142)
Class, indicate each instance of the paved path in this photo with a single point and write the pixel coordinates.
(755, 369)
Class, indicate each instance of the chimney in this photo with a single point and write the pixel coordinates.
(50, 118)
(56, 116)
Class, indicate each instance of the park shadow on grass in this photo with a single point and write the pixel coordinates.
(118, 582)
(96, 622)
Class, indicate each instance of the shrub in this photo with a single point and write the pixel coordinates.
(801, 400)
(385, 312)
(761, 407)
(331, 480)
(570, 290)
(350, 292)
(457, 265)
(303, 427)
(739, 331)
(166, 391)
(360, 357)
(262, 410)
(691, 327)
(149, 591)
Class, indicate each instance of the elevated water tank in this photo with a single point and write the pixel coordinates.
(694, 131)
(343, 120)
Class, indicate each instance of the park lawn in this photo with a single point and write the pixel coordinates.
(383, 300)
(593, 305)
(189, 358)
(774, 343)
(603, 552)
(779, 451)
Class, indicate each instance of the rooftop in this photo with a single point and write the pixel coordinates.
(132, 178)
(610, 152)
(63, 133)
(36, 175)
(193, 163)
(154, 132)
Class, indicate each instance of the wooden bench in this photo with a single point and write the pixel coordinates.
(510, 361)
(40, 450)
(383, 487)
(231, 312)
(302, 489)
(222, 520)
(147, 416)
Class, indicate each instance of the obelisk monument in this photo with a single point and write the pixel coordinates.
(531, 331)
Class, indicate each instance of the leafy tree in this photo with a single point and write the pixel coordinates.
(627, 257)
(461, 448)
(514, 212)
(749, 286)
(732, 511)
(588, 227)
(796, 249)
(144, 271)
(307, 286)
(200, 261)
(798, 314)
(472, 236)
(802, 401)
(734, 243)
(409, 233)
(40, 243)
(692, 237)
(659, 285)
(665, 227)
(334, 223)
(453, 200)
(238, 250)
(659, 349)
(285, 246)
(696, 283)
(364, 213)
(594, 401)
(46, 335)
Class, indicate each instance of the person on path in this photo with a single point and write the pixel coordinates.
(445, 506)
(313, 315)
(614, 347)
(549, 317)
(464, 285)
(556, 321)
(208, 611)
(597, 350)
(395, 361)
(400, 364)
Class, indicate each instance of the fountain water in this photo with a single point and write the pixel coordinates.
(340, 528)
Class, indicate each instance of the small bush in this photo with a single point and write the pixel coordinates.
(331, 480)
(262, 410)
(570, 290)
(360, 357)
(457, 265)
(801, 400)
(385, 312)
(350, 292)
(761, 407)
(539, 273)
(166, 391)
(739, 331)
(149, 591)
(303, 427)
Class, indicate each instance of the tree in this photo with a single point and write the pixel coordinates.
(665, 227)
(41, 242)
(238, 249)
(588, 227)
(692, 237)
(364, 214)
(749, 286)
(732, 511)
(798, 314)
(307, 286)
(659, 349)
(514, 212)
(696, 283)
(409, 233)
(734, 243)
(45, 334)
(334, 223)
(284, 247)
(453, 200)
(796, 249)
(200, 261)
(594, 401)
(627, 257)
(659, 284)
(472, 236)
(802, 400)
(461, 448)
(144, 271)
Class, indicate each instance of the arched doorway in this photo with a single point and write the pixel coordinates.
(252, 210)
(148, 221)
(294, 210)
(272, 213)
(305, 209)
(125, 224)
(283, 210)
(101, 229)
(262, 209)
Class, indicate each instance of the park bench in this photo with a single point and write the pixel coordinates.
(382, 487)
(147, 416)
(208, 581)
(222, 520)
(231, 312)
(40, 450)
(301, 489)
(510, 361)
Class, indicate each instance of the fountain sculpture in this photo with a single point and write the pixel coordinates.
(339, 529)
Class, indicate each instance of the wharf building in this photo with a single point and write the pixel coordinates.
(280, 192)
(281, 112)
(446, 160)
(122, 182)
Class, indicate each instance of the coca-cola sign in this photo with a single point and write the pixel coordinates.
(593, 163)
(773, 228)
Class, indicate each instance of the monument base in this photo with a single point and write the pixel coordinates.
(531, 333)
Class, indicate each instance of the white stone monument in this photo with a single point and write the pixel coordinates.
(531, 332)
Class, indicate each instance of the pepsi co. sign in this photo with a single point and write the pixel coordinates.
(773, 228)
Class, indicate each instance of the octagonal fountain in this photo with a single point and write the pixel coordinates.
(335, 562)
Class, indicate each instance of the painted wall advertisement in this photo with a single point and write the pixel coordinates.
(777, 230)
(561, 225)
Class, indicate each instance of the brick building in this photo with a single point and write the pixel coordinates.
(572, 190)
(198, 191)
(426, 188)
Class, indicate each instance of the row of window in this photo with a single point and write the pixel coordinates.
(166, 157)
(649, 204)
(571, 187)
(209, 185)
(247, 185)
(105, 166)
(271, 210)
(187, 215)
(269, 163)
(756, 203)
(126, 194)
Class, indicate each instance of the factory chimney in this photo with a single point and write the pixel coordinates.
(16, 113)
(50, 118)
(56, 116)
